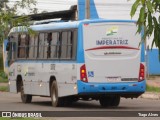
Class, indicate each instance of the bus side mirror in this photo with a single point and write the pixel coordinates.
(8, 46)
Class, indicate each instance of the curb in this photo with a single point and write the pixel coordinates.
(150, 95)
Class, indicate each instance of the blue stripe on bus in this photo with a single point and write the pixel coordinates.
(81, 11)
(94, 13)
(80, 47)
(142, 46)
(127, 87)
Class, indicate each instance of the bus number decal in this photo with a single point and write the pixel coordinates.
(53, 66)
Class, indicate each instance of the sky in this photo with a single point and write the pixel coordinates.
(51, 5)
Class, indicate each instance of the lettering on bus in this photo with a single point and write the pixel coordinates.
(112, 42)
(30, 74)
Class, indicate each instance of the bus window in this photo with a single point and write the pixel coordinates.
(9, 53)
(49, 39)
(55, 42)
(31, 47)
(69, 45)
(12, 49)
(64, 45)
(35, 46)
(27, 42)
(45, 46)
(22, 46)
(74, 44)
(41, 45)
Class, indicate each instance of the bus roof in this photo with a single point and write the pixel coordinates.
(62, 25)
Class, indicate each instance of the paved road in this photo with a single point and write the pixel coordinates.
(12, 102)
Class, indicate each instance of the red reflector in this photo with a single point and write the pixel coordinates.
(86, 24)
(141, 72)
(83, 75)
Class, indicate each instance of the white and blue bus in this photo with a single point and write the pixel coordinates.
(81, 60)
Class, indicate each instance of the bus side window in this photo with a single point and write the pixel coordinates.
(9, 52)
(35, 47)
(27, 45)
(22, 46)
(64, 45)
(41, 45)
(69, 45)
(31, 47)
(74, 44)
(46, 46)
(49, 40)
(55, 42)
(12, 52)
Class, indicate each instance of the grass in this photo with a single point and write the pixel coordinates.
(3, 80)
(4, 88)
(152, 89)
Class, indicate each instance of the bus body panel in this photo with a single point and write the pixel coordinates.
(36, 76)
(119, 88)
(112, 52)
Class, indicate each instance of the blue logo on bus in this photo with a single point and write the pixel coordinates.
(90, 74)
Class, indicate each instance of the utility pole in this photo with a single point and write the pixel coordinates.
(87, 9)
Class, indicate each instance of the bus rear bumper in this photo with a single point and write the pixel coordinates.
(111, 88)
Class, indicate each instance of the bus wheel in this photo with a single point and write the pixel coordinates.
(56, 101)
(105, 101)
(24, 97)
(115, 101)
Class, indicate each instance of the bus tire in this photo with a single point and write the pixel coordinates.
(105, 101)
(56, 101)
(25, 97)
(115, 101)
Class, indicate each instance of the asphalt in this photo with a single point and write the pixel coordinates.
(151, 81)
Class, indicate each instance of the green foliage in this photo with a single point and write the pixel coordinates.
(3, 80)
(7, 16)
(148, 9)
(152, 89)
(134, 7)
(3, 75)
(4, 88)
(1, 62)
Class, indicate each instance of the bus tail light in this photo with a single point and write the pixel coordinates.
(83, 75)
(141, 73)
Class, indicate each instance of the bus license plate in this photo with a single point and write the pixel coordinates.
(113, 79)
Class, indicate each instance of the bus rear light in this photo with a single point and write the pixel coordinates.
(141, 73)
(83, 75)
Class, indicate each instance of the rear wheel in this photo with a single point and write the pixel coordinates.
(56, 101)
(109, 101)
(25, 97)
(115, 101)
(105, 101)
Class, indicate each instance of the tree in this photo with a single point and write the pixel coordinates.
(147, 18)
(8, 13)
